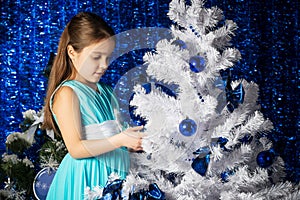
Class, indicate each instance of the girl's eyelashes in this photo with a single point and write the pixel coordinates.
(97, 57)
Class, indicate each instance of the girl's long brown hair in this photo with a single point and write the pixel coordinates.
(83, 30)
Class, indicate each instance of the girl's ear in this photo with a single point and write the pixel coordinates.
(71, 52)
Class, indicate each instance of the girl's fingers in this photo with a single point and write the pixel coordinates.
(136, 128)
(135, 131)
(140, 142)
(136, 135)
(141, 134)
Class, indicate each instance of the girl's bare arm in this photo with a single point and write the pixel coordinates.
(66, 109)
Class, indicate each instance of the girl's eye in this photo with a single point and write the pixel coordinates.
(97, 58)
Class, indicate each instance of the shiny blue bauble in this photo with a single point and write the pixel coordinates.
(181, 44)
(265, 159)
(200, 164)
(187, 127)
(42, 182)
(197, 64)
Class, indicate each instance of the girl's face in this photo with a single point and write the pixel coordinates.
(92, 62)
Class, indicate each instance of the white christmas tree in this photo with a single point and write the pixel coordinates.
(205, 136)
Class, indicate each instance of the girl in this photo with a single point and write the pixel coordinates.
(82, 110)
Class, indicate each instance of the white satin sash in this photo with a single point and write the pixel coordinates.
(100, 131)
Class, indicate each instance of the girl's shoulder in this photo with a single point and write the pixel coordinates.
(79, 87)
(70, 83)
(74, 83)
(61, 90)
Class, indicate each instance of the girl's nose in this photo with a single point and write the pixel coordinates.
(103, 65)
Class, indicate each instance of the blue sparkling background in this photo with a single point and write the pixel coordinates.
(268, 38)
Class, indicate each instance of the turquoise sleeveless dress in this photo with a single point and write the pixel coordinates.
(73, 176)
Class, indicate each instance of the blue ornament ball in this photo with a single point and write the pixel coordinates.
(42, 182)
(200, 164)
(181, 44)
(265, 159)
(197, 64)
(187, 127)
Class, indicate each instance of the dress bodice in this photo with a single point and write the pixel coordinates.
(97, 109)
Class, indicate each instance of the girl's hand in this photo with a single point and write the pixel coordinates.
(132, 138)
